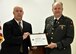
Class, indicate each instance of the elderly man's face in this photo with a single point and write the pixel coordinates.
(57, 10)
(18, 13)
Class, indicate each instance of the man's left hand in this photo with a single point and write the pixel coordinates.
(52, 45)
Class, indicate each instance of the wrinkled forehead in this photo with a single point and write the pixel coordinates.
(18, 8)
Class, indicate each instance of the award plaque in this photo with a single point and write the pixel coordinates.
(38, 39)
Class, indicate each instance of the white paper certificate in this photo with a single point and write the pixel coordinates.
(38, 40)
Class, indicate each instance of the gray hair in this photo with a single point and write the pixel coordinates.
(60, 3)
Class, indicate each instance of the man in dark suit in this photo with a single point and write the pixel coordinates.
(16, 34)
(59, 30)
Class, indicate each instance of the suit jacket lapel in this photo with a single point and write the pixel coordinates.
(16, 25)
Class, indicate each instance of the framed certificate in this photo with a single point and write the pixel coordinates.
(38, 39)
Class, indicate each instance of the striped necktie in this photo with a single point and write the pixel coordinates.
(20, 26)
(21, 47)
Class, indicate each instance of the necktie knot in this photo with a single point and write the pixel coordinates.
(55, 21)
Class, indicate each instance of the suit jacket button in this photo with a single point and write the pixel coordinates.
(51, 37)
(52, 33)
(64, 48)
(52, 28)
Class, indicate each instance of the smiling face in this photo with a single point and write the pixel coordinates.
(57, 9)
(18, 13)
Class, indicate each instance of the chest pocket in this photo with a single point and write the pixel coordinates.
(61, 28)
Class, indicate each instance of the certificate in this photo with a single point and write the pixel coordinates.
(38, 39)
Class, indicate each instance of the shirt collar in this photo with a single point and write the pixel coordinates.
(18, 21)
(57, 18)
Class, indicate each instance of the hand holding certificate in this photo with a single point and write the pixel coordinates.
(38, 40)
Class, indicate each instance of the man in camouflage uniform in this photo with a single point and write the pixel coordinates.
(59, 30)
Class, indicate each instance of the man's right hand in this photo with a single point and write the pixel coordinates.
(25, 35)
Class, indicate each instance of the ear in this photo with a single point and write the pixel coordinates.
(23, 12)
(52, 9)
(62, 9)
(13, 12)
